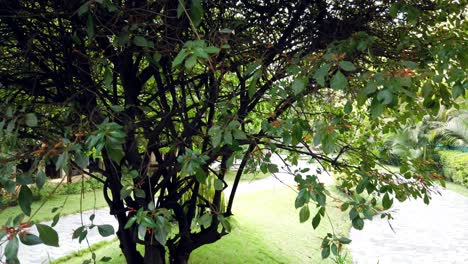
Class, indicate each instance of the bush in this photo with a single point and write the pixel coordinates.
(454, 166)
(88, 185)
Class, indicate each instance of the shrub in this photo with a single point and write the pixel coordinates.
(67, 188)
(454, 166)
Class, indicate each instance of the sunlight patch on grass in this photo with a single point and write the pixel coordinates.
(267, 231)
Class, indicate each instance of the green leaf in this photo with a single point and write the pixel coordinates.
(24, 179)
(347, 65)
(123, 38)
(302, 197)
(30, 119)
(321, 74)
(105, 259)
(457, 90)
(227, 137)
(11, 249)
(216, 135)
(273, 168)
(25, 199)
(212, 50)
(304, 214)
(427, 89)
(348, 108)
(190, 62)
(139, 193)
(344, 240)
(62, 162)
(253, 83)
(200, 52)
(55, 219)
(83, 8)
(82, 236)
(358, 223)
(238, 134)
(30, 239)
(339, 81)
(426, 199)
(410, 64)
(41, 178)
(334, 249)
(81, 159)
(90, 26)
(161, 235)
(205, 220)
(130, 222)
(140, 41)
(325, 252)
(116, 154)
(362, 185)
(218, 184)
(344, 207)
(179, 58)
(48, 235)
(376, 110)
(387, 202)
(385, 97)
(196, 12)
(316, 221)
(225, 223)
(77, 232)
(298, 86)
(393, 12)
(180, 9)
(353, 213)
(106, 230)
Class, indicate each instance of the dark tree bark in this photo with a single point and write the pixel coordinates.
(84, 63)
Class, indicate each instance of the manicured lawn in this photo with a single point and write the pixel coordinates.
(267, 231)
(72, 205)
(458, 188)
(247, 177)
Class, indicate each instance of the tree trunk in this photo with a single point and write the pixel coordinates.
(127, 242)
(128, 247)
(180, 258)
(154, 254)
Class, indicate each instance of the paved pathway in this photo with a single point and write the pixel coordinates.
(434, 233)
(39, 254)
(43, 254)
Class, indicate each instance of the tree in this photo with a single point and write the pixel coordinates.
(201, 83)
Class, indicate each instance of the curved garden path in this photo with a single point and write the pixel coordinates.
(39, 254)
(434, 233)
(423, 234)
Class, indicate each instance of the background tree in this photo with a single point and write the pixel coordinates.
(200, 83)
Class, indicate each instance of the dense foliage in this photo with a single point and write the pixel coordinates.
(199, 84)
(453, 165)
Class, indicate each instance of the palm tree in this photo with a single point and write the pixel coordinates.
(454, 132)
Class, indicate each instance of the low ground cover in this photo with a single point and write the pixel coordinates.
(266, 230)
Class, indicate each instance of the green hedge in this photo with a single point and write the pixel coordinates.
(454, 166)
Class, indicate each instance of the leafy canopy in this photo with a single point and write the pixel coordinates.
(167, 95)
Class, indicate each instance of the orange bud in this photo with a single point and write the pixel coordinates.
(276, 123)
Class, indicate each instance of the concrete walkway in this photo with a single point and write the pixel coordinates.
(434, 233)
(44, 254)
(39, 254)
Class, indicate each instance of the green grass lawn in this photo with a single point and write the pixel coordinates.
(72, 205)
(457, 188)
(246, 177)
(267, 231)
